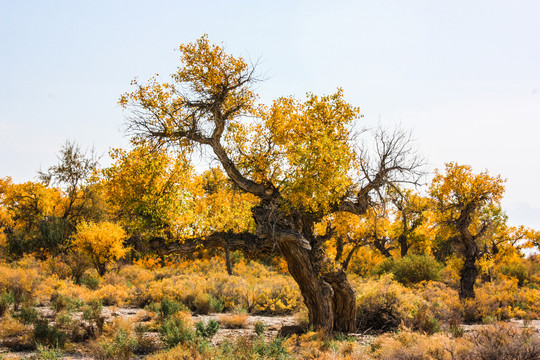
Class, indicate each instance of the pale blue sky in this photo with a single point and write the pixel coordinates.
(464, 76)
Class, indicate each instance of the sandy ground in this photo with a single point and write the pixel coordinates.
(273, 324)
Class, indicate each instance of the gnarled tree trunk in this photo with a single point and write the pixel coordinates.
(327, 293)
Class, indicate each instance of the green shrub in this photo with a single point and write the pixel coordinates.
(6, 299)
(45, 353)
(91, 312)
(207, 331)
(169, 307)
(516, 270)
(47, 335)
(175, 331)
(413, 269)
(28, 315)
(121, 346)
(91, 282)
(61, 302)
(259, 328)
(216, 305)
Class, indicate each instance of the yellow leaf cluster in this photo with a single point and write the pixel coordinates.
(101, 242)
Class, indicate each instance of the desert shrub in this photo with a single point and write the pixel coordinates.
(216, 305)
(380, 305)
(278, 296)
(407, 345)
(48, 335)
(236, 320)
(517, 270)
(78, 263)
(503, 342)
(206, 331)
(21, 282)
(61, 302)
(412, 269)
(114, 294)
(177, 329)
(51, 287)
(169, 307)
(6, 299)
(56, 266)
(314, 345)
(259, 327)
(13, 328)
(146, 344)
(502, 299)
(91, 282)
(91, 312)
(47, 353)
(442, 300)
(200, 303)
(120, 346)
(28, 314)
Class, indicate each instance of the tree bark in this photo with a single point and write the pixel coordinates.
(327, 293)
(228, 260)
(404, 245)
(469, 273)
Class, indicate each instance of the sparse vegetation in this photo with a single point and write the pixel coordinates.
(152, 257)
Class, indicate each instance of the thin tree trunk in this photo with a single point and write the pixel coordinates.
(228, 260)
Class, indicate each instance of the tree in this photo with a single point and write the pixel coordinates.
(149, 190)
(101, 242)
(410, 211)
(73, 174)
(298, 158)
(462, 197)
(28, 217)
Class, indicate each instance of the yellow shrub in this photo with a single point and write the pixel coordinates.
(101, 242)
(114, 294)
(21, 282)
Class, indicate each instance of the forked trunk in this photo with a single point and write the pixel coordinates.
(328, 295)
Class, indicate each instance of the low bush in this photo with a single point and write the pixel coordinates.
(206, 331)
(237, 320)
(413, 269)
(169, 307)
(177, 329)
(48, 335)
(6, 299)
(503, 342)
(91, 312)
(259, 327)
(120, 347)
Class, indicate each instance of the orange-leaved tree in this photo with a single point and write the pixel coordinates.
(298, 159)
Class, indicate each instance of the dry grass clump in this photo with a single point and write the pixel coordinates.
(499, 341)
(236, 320)
(503, 341)
(316, 345)
(14, 334)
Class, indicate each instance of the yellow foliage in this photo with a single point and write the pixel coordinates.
(101, 242)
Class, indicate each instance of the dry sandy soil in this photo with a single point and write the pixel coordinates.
(273, 324)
